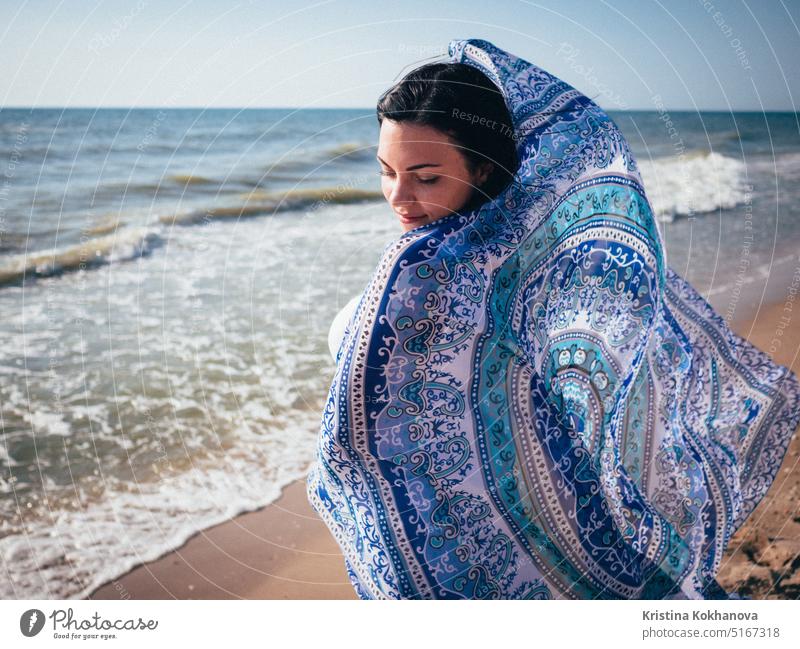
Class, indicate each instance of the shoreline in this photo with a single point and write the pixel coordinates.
(285, 551)
(280, 551)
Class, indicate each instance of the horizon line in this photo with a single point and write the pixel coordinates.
(371, 108)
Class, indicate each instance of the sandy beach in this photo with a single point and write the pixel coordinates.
(284, 551)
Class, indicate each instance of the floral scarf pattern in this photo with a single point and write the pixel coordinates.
(528, 401)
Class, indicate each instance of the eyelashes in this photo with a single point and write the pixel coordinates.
(429, 181)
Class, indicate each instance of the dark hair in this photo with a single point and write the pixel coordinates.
(462, 102)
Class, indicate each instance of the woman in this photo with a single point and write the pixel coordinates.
(450, 161)
(528, 402)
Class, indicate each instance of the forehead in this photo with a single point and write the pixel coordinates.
(401, 140)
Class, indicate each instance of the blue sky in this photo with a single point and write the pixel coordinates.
(627, 54)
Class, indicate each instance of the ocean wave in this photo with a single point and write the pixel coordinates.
(694, 183)
(350, 151)
(69, 553)
(262, 203)
(179, 185)
(122, 245)
(114, 190)
(105, 225)
(169, 185)
(189, 179)
(118, 242)
(298, 168)
(346, 152)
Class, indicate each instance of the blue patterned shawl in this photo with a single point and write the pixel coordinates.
(529, 403)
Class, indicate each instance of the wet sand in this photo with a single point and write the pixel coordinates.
(284, 551)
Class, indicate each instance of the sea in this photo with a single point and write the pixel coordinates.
(168, 278)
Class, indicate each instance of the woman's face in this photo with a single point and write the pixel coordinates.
(424, 175)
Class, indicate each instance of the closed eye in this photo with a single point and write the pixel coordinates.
(424, 181)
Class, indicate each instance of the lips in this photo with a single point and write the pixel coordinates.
(410, 219)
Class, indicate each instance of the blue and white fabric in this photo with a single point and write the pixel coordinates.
(530, 403)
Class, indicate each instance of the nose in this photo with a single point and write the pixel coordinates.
(402, 194)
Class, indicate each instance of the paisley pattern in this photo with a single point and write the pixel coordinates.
(529, 403)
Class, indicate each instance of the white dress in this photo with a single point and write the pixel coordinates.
(339, 324)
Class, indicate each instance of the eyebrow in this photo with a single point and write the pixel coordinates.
(412, 167)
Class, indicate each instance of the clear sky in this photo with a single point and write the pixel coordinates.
(635, 54)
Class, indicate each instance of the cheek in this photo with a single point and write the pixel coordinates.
(446, 194)
(386, 187)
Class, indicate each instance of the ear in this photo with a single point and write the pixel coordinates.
(483, 172)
